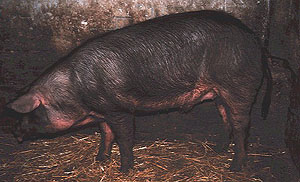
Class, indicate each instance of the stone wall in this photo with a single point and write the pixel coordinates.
(71, 21)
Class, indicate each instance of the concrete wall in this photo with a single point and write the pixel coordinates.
(285, 31)
(70, 21)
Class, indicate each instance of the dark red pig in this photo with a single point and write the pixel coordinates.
(174, 61)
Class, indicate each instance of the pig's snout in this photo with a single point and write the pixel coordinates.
(20, 139)
(16, 131)
(22, 130)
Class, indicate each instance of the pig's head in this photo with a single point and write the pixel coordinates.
(35, 116)
(31, 116)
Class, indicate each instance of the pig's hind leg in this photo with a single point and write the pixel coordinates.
(224, 113)
(238, 116)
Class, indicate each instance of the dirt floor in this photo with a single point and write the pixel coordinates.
(24, 56)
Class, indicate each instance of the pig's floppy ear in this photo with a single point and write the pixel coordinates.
(25, 103)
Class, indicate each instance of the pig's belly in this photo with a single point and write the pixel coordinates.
(186, 99)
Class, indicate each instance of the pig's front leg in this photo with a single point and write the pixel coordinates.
(107, 138)
(123, 128)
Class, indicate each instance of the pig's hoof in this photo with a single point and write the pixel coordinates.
(125, 169)
(102, 157)
(235, 167)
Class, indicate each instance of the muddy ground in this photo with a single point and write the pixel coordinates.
(24, 56)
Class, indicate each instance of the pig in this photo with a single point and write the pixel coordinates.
(170, 62)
